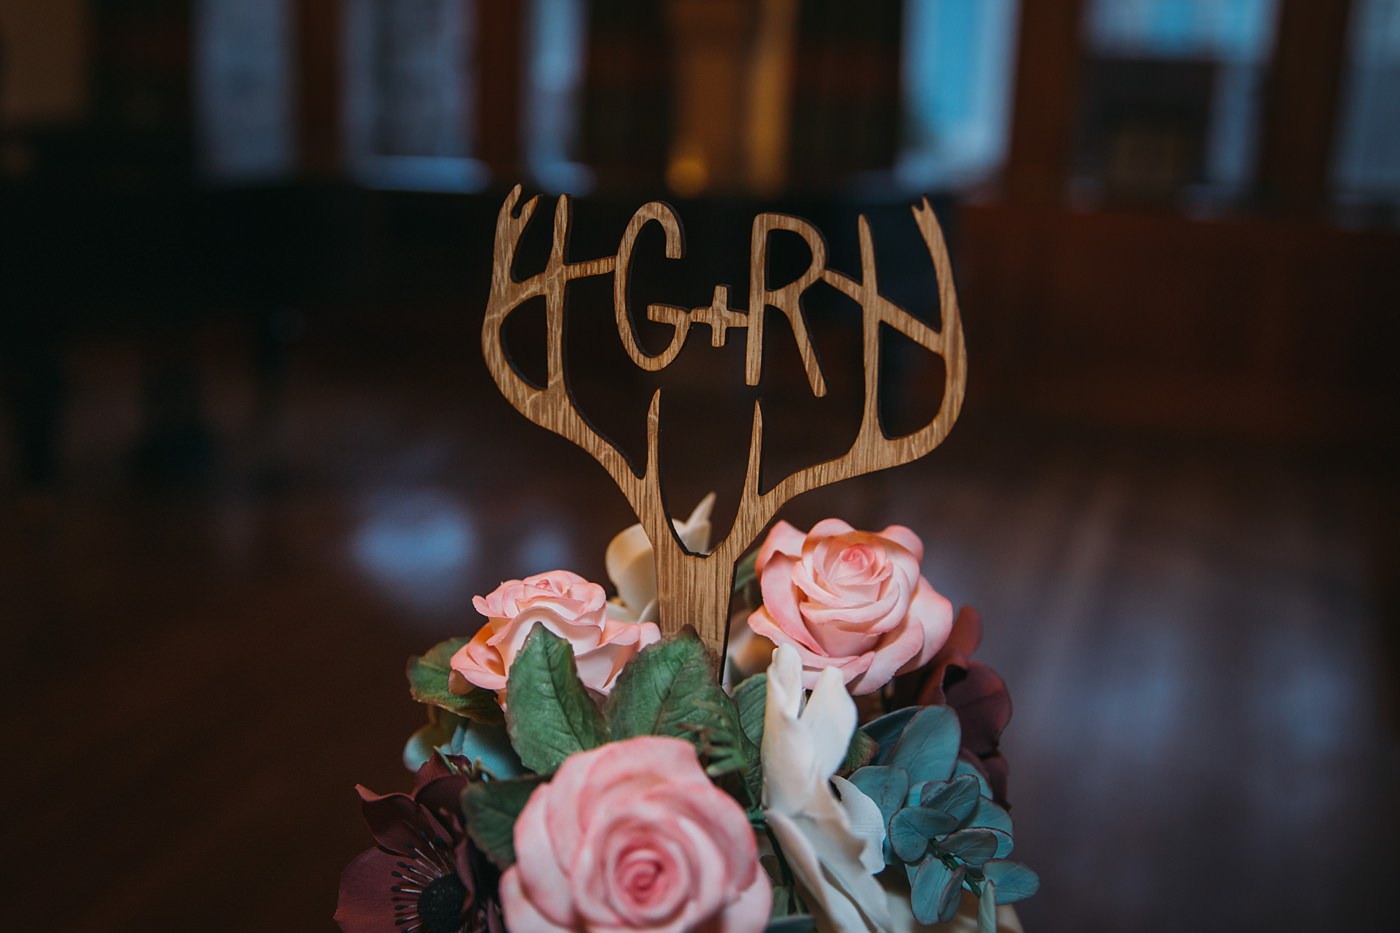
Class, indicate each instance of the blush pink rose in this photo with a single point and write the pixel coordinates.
(634, 836)
(852, 600)
(566, 604)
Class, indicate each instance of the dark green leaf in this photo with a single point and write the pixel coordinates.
(751, 697)
(973, 846)
(987, 909)
(668, 689)
(859, 752)
(1014, 881)
(885, 785)
(796, 924)
(551, 714)
(491, 809)
(928, 746)
(934, 886)
(957, 798)
(428, 678)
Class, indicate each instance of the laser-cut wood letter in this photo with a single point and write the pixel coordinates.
(694, 589)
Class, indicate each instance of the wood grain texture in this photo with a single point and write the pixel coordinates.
(694, 589)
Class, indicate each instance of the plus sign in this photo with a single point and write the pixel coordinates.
(719, 316)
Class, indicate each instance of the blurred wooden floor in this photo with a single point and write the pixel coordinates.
(1200, 641)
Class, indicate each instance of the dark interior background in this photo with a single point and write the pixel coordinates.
(250, 457)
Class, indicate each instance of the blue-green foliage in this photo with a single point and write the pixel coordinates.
(942, 826)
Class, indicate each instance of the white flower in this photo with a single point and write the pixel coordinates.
(833, 845)
(631, 564)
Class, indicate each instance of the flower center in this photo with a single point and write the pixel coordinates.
(440, 905)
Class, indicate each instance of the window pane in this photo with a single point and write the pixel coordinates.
(1367, 163)
(410, 94)
(958, 66)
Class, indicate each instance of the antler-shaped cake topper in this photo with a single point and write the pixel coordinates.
(694, 589)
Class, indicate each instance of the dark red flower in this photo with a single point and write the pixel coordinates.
(424, 876)
(976, 693)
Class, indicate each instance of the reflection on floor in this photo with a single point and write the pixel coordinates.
(195, 677)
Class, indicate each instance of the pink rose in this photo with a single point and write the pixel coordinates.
(566, 604)
(634, 836)
(852, 600)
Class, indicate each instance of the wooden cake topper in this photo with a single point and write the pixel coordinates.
(694, 589)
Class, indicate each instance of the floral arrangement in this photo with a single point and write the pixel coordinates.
(837, 771)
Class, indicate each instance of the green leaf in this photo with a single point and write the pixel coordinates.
(934, 886)
(1014, 881)
(751, 697)
(859, 753)
(987, 909)
(796, 924)
(550, 712)
(490, 809)
(928, 746)
(667, 689)
(973, 846)
(428, 682)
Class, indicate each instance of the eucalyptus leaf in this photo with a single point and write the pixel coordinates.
(990, 816)
(551, 714)
(957, 798)
(885, 785)
(490, 809)
(966, 767)
(987, 909)
(885, 731)
(487, 746)
(422, 743)
(428, 678)
(1014, 881)
(933, 888)
(928, 746)
(973, 846)
(802, 923)
(913, 828)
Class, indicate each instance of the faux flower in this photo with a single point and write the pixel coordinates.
(850, 600)
(833, 844)
(566, 604)
(634, 836)
(631, 562)
(424, 874)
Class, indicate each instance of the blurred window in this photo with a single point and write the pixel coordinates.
(244, 85)
(958, 67)
(1366, 167)
(411, 94)
(1172, 94)
(556, 37)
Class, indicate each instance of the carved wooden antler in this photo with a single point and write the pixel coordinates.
(694, 589)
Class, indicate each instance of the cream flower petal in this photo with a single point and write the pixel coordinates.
(828, 850)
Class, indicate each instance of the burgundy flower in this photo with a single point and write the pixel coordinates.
(424, 876)
(976, 693)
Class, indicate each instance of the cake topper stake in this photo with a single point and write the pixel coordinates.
(694, 589)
